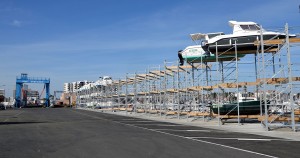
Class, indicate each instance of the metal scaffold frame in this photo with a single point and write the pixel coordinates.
(189, 91)
(277, 83)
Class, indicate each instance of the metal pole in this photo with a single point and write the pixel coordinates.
(149, 89)
(160, 91)
(237, 81)
(119, 91)
(126, 93)
(218, 97)
(186, 88)
(165, 88)
(264, 77)
(146, 93)
(221, 64)
(202, 91)
(178, 94)
(134, 105)
(290, 84)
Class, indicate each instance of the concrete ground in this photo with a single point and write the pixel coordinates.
(65, 132)
(232, 125)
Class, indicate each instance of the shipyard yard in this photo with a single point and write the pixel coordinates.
(66, 132)
(136, 79)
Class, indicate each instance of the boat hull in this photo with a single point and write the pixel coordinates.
(245, 108)
(212, 58)
(243, 43)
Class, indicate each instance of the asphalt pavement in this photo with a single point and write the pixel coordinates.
(65, 132)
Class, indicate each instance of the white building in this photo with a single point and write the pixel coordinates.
(2, 92)
(73, 86)
(66, 87)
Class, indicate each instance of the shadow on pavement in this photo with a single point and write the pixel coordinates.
(16, 123)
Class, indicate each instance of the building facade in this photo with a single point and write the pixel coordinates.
(74, 86)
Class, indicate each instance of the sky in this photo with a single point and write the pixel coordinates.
(75, 40)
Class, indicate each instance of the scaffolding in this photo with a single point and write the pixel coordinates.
(189, 91)
(278, 80)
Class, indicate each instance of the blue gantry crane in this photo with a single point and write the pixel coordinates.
(25, 79)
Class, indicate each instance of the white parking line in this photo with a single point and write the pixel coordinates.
(232, 138)
(127, 119)
(157, 124)
(187, 130)
(202, 141)
(242, 139)
(198, 130)
(135, 121)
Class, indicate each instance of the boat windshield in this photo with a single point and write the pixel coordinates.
(250, 27)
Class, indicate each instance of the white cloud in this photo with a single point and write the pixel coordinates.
(16, 23)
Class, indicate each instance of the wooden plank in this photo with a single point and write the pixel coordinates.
(184, 113)
(142, 93)
(276, 118)
(183, 90)
(122, 109)
(184, 67)
(236, 116)
(234, 85)
(116, 109)
(277, 80)
(171, 113)
(248, 83)
(154, 92)
(197, 113)
(193, 113)
(153, 111)
(172, 90)
(130, 94)
(160, 73)
(278, 41)
(140, 110)
(228, 85)
(203, 114)
(199, 88)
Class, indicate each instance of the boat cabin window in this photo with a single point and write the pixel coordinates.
(245, 95)
(250, 27)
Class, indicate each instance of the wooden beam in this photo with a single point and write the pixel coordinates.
(172, 90)
(277, 80)
(185, 67)
(160, 73)
(171, 113)
(278, 41)
(198, 88)
(140, 111)
(154, 92)
(236, 116)
(277, 118)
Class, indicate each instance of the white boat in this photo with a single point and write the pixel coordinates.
(244, 35)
